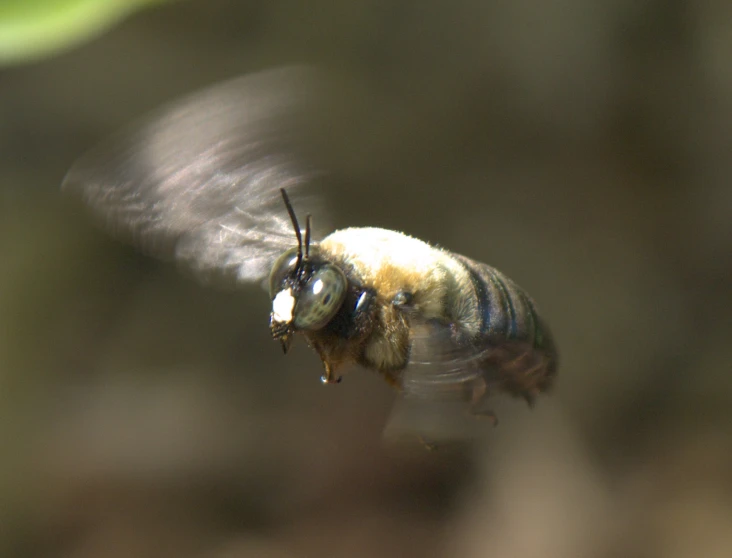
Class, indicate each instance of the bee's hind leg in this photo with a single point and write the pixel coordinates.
(427, 444)
(478, 396)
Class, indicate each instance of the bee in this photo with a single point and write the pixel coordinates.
(209, 182)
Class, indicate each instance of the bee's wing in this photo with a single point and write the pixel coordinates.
(446, 363)
(198, 181)
(432, 404)
(448, 375)
(441, 365)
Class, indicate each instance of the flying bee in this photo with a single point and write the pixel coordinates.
(210, 182)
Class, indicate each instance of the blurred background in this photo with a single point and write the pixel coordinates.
(581, 147)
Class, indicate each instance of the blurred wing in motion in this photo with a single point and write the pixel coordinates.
(442, 366)
(198, 181)
(450, 375)
(433, 405)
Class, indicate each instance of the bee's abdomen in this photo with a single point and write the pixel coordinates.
(505, 312)
(520, 355)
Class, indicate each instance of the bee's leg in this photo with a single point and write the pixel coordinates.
(392, 379)
(533, 386)
(526, 376)
(530, 398)
(526, 384)
(478, 395)
(328, 377)
(429, 446)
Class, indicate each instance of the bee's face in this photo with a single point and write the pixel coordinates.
(306, 294)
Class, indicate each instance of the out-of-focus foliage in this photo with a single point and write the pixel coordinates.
(31, 29)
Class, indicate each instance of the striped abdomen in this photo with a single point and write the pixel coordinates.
(520, 356)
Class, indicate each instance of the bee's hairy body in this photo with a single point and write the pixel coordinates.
(393, 277)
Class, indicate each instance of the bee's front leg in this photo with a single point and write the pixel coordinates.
(329, 377)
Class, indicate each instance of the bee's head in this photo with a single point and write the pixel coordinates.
(306, 290)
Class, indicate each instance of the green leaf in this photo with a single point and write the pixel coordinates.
(31, 29)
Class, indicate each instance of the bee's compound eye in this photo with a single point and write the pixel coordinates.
(282, 267)
(320, 298)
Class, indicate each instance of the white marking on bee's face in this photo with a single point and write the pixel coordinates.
(282, 306)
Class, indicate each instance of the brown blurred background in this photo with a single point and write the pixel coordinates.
(581, 147)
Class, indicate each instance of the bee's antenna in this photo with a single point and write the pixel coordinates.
(307, 237)
(295, 224)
